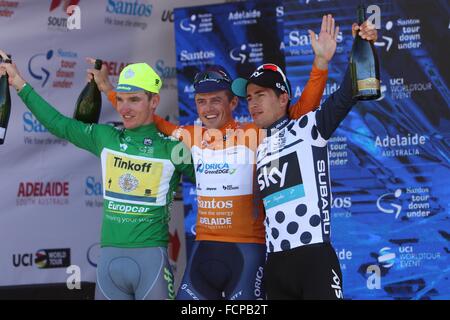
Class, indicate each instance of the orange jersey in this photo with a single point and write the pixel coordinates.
(229, 209)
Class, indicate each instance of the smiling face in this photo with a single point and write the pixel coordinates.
(215, 109)
(136, 108)
(265, 106)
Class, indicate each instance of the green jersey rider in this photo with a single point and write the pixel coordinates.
(141, 169)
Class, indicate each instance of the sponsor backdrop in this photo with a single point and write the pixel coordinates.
(51, 191)
(389, 158)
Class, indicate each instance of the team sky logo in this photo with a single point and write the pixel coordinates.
(43, 259)
(388, 203)
(281, 177)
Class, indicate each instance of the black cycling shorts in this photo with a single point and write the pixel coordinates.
(308, 272)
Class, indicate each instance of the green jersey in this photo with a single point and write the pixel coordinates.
(141, 169)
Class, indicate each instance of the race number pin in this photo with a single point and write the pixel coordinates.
(148, 141)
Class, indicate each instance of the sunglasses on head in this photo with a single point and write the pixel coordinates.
(275, 68)
(212, 75)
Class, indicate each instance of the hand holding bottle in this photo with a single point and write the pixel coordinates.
(14, 78)
(89, 103)
(364, 64)
(367, 31)
(100, 76)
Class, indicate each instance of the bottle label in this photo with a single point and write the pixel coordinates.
(369, 84)
(2, 132)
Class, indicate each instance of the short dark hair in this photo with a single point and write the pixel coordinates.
(278, 93)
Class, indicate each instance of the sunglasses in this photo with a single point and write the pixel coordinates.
(212, 75)
(275, 68)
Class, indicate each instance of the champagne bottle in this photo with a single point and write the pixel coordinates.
(364, 66)
(89, 102)
(5, 103)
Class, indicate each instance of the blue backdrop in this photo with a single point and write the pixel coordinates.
(389, 158)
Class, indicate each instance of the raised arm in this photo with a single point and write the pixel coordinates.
(77, 132)
(324, 48)
(335, 108)
(338, 105)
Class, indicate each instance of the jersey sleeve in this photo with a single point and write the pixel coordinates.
(335, 108)
(165, 126)
(85, 136)
(311, 95)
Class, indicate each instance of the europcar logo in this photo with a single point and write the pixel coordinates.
(43, 259)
